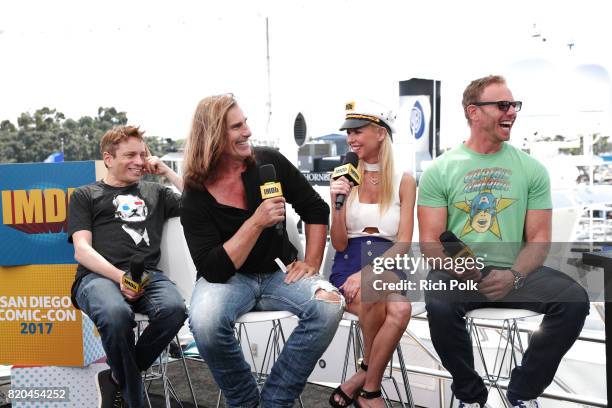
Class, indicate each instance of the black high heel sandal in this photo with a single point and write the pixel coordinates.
(346, 400)
(366, 395)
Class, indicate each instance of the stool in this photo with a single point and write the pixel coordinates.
(355, 341)
(507, 347)
(276, 339)
(160, 370)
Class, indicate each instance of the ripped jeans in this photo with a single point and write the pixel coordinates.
(214, 310)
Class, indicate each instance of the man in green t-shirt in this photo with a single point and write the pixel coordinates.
(496, 199)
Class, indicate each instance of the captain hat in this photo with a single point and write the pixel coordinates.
(363, 112)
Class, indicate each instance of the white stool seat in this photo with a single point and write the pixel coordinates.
(494, 313)
(350, 316)
(418, 308)
(263, 316)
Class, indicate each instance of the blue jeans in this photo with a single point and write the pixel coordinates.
(214, 310)
(101, 299)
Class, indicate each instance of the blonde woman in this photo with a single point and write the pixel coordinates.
(378, 213)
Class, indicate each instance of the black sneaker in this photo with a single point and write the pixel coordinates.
(109, 394)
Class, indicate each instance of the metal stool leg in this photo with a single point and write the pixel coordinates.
(159, 371)
(276, 339)
(144, 387)
(282, 337)
(195, 402)
(505, 346)
(400, 357)
(164, 367)
(355, 333)
(349, 344)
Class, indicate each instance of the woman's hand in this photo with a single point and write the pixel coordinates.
(339, 186)
(351, 287)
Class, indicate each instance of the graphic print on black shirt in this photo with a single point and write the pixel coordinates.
(132, 210)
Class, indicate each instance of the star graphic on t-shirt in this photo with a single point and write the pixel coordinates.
(482, 212)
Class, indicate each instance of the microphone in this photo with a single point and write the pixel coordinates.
(136, 278)
(270, 188)
(348, 170)
(454, 247)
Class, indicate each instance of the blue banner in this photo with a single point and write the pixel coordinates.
(34, 199)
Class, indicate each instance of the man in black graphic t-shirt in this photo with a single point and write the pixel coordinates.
(109, 222)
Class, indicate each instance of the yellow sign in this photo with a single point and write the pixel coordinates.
(38, 324)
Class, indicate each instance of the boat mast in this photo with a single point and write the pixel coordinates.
(274, 140)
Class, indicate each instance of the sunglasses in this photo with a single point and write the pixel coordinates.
(502, 105)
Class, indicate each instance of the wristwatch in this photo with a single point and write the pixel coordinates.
(519, 280)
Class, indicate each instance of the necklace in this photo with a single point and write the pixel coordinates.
(371, 166)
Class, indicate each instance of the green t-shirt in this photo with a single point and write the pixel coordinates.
(487, 197)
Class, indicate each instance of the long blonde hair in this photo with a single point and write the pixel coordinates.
(386, 175)
(207, 140)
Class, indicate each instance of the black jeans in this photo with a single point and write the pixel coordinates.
(563, 302)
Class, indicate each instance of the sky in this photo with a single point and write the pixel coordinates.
(156, 60)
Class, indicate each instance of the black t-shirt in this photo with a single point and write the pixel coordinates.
(208, 224)
(124, 221)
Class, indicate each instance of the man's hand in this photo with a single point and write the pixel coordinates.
(270, 212)
(351, 287)
(298, 270)
(497, 284)
(128, 293)
(154, 165)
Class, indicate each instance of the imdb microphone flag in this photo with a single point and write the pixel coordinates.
(271, 190)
